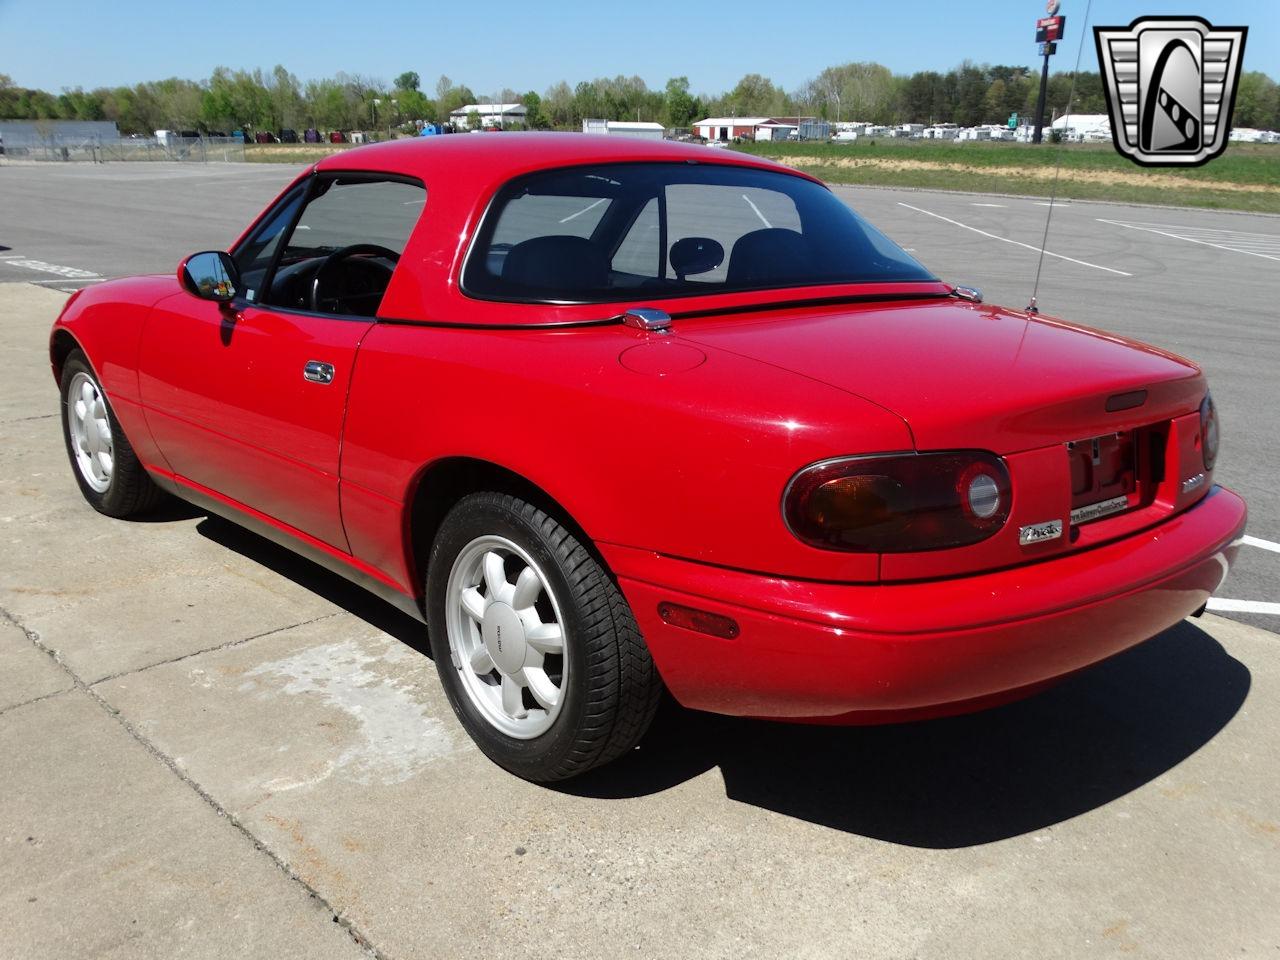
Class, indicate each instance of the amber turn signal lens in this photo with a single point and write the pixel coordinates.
(700, 621)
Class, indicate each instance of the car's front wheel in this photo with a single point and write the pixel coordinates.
(104, 464)
(537, 649)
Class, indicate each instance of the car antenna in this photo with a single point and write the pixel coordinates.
(1057, 169)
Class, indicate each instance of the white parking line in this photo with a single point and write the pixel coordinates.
(67, 273)
(1250, 244)
(757, 210)
(1000, 205)
(590, 206)
(1260, 543)
(1243, 606)
(1016, 243)
(66, 280)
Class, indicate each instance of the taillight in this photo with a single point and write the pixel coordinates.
(899, 503)
(1208, 431)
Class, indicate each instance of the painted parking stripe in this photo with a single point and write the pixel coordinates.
(590, 206)
(1260, 543)
(65, 280)
(1243, 606)
(1000, 205)
(67, 273)
(1016, 243)
(1223, 239)
(767, 224)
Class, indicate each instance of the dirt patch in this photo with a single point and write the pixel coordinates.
(1105, 177)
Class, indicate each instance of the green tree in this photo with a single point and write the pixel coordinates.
(407, 81)
(557, 106)
(681, 107)
(237, 99)
(1257, 102)
(534, 119)
(414, 105)
(285, 95)
(756, 95)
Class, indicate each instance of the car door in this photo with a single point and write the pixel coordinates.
(246, 399)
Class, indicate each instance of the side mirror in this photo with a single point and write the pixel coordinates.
(211, 275)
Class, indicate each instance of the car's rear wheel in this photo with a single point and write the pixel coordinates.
(535, 645)
(103, 462)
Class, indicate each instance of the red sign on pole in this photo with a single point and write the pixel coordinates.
(1050, 29)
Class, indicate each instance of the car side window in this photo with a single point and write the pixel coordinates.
(638, 253)
(341, 253)
(255, 256)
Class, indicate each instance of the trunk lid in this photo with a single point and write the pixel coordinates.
(966, 375)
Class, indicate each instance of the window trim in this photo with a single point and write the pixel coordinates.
(309, 189)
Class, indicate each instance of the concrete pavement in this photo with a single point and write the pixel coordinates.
(211, 748)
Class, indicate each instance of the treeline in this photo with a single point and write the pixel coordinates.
(253, 100)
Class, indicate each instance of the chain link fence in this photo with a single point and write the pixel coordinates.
(97, 150)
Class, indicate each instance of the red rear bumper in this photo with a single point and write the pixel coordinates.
(885, 652)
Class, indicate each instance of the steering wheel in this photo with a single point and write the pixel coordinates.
(328, 269)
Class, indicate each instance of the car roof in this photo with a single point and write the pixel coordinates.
(499, 156)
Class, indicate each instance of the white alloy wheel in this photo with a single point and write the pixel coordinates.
(506, 637)
(89, 428)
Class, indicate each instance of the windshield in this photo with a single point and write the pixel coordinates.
(618, 231)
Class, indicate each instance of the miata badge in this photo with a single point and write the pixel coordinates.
(1171, 86)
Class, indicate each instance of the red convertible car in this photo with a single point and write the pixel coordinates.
(612, 416)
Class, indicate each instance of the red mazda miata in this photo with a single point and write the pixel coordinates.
(611, 415)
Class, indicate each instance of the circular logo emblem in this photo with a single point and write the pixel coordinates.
(1051, 8)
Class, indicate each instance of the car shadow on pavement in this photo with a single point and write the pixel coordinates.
(966, 780)
(939, 784)
(333, 587)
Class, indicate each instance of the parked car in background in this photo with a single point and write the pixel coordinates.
(312, 135)
(288, 136)
(265, 136)
(613, 415)
(337, 136)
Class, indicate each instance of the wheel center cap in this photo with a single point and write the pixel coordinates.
(504, 637)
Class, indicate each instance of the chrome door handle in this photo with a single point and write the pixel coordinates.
(318, 372)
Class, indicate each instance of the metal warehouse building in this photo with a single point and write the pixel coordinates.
(644, 129)
(491, 114)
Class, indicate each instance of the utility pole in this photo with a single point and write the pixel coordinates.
(1044, 91)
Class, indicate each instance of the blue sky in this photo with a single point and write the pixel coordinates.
(65, 43)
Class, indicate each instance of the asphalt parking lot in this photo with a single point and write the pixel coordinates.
(211, 748)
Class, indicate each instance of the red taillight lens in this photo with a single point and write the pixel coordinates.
(899, 503)
(1209, 431)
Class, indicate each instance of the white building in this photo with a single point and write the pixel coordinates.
(728, 128)
(1079, 127)
(776, 130)
(491, 115)
(644, 129)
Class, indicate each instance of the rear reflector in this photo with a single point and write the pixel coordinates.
(699, 621)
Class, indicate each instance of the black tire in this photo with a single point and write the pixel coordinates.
(130, 491)
(612, 687)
